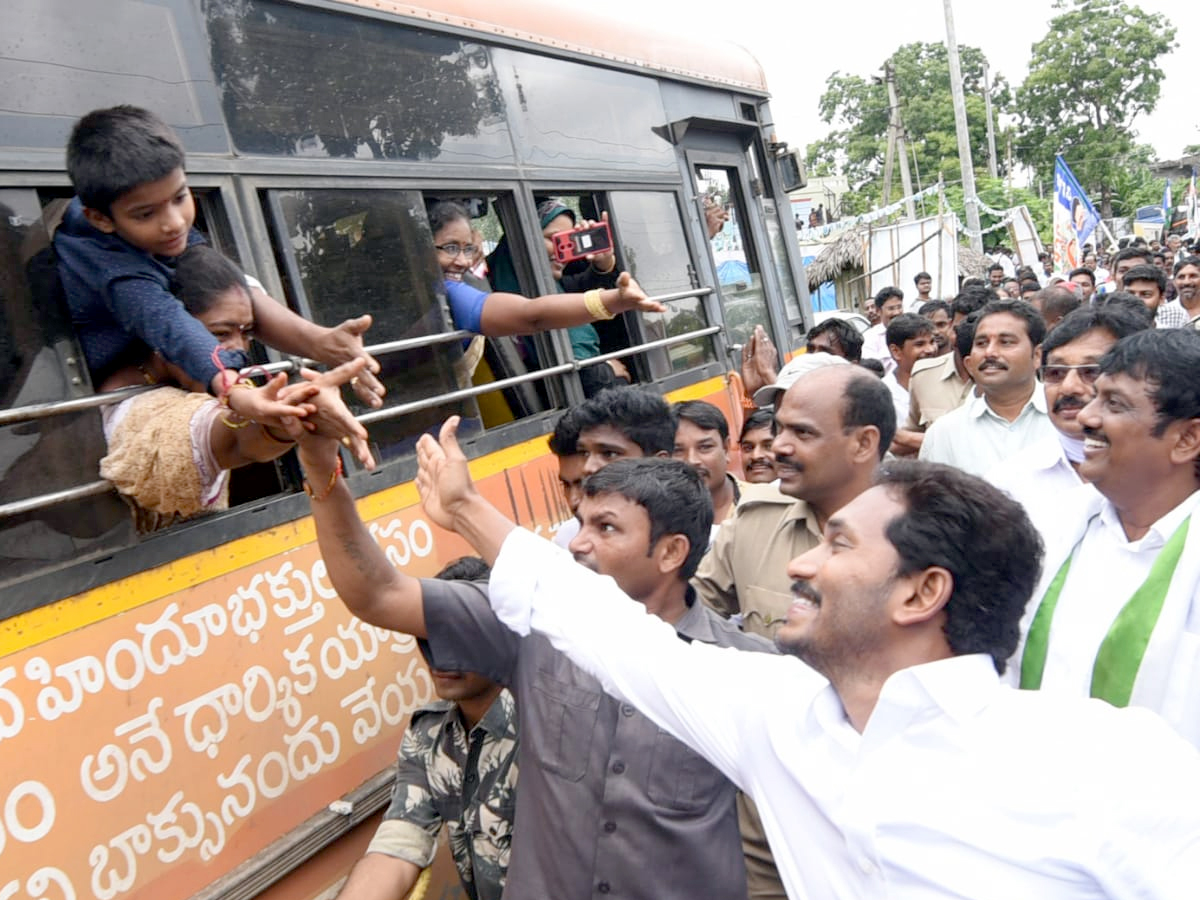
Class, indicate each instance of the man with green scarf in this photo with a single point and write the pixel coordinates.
(1117, 613)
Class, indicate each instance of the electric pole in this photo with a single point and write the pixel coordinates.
(964, 139)
(896, 141)
(991, 132)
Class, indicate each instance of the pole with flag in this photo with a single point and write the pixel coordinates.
(1192, 224)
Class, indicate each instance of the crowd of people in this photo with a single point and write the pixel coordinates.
(973, 672)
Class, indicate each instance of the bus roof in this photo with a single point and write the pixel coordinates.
(568, 29)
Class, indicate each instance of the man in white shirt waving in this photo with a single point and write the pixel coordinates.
(1118, 608)
(890, 762)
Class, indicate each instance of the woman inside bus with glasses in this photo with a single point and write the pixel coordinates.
(498, 313)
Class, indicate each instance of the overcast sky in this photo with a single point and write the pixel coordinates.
(800, 44)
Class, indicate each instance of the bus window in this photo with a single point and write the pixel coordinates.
(40, 362)
(738, 269)
(439, 100)
(652, 241)
(349, 252)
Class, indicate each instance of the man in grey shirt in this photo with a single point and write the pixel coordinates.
(607, 803)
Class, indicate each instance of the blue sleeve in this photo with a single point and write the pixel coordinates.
(143, 307)
(466, 305)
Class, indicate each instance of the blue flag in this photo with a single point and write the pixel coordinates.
(1074, 218)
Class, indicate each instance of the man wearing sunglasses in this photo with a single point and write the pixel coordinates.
(1041, 474)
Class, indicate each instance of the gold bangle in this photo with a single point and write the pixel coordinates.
(229, 423)
(597, 309)
(337, 470)
(607, 271)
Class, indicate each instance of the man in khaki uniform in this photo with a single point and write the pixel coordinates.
(832, 427)
(936, 386)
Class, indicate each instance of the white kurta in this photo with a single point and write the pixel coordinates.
(959, 787)
(1105, 572)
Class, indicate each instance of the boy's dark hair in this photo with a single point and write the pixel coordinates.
(905, 327)
(465, 568)
(760, 418)
(994, 266)
(981, 536)
(921, 275)
(641, 416)
(1128, 303)
(1083, 270)
(1116, 320)
(843, 333)
(201, 275)
(1035, 325)
(112, 151)
(929, 307)
(1030, 286)
(675, 499)
(703, 415)
(886, 294)
(564, 440)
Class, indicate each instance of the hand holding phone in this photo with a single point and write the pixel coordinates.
(582, 242)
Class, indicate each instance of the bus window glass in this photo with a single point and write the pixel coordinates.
(370, 251)
(783, 271)
(610, 114)
(39, 363)
(738, 271)
(655, 250)
(299, 81)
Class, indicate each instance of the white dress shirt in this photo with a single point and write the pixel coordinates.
(976, 439)
(875, 346)
(1040, 479)
(1106, 570)
(899, 398)
(959, 787)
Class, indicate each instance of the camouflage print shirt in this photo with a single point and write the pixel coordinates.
(466, 780)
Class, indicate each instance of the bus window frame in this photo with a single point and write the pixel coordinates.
(752, 229)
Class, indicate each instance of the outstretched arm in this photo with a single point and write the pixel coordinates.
(367, 583)
(513, 314)
(282, 329)
(693, 691)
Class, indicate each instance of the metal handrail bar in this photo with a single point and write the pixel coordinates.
(17, 507)
(393, 412)
(63, 407)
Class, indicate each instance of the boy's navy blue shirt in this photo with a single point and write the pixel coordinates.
(121, 302)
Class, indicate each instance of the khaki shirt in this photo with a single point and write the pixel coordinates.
(934, 389)
(745, 569)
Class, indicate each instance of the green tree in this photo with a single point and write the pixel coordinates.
(1090, 77)
(857, 107)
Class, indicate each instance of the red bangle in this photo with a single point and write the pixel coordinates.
(337, 471)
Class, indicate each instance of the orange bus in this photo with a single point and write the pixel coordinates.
(193, 712)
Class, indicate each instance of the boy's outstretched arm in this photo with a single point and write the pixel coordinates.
(282, 329)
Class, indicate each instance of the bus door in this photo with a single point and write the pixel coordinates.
(747, 240)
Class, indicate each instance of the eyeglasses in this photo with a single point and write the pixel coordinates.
(467, 250)
(1088, 373)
